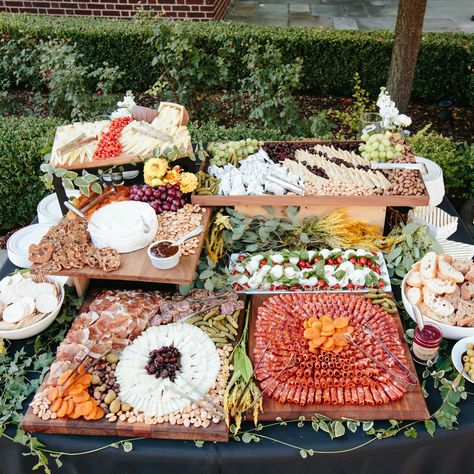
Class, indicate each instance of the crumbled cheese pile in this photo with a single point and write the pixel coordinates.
(249, 178)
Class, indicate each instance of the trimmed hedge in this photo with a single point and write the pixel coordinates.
(331, 57)
(21, 144)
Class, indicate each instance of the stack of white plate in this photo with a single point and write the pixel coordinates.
(48, 208)
(19, 243)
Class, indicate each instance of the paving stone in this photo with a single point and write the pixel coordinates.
(354, 10)
(440, 24)
(337, 2)
(343, 23)
(244, 8)
(301, 19)
(272, 8)
(326, 10)
(299, 8)
(372, 23)
(323, 21)
(385, 10)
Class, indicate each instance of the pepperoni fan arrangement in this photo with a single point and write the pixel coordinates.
(321, 349)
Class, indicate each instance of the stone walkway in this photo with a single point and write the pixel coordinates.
(441, 15)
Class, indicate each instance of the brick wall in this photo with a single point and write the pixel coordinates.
(182, 9)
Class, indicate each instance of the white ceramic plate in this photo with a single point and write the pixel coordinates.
(380, 261)
(40, 326)
(20, 241)
(449, 332)
(457, 352)
(48, 208)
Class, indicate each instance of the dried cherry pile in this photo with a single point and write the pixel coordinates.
(164, 362)
(109, 145)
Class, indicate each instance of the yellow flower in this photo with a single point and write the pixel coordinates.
(155, 168)
(2, 346)
(154, 182)
(188, 182)
(173, 177)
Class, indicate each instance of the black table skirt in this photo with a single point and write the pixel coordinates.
(447, 452)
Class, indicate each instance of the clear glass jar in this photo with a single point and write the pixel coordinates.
(426, 343)
(370, 123)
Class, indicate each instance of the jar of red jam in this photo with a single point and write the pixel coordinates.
(426, 343)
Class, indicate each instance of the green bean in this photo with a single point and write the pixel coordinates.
(220, 317)
(219, 339)
(194, 319)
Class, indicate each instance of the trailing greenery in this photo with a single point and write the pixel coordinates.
(330, 58)
(456, 159)
(22, 146)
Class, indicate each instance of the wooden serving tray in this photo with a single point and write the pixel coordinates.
(136, 266)
(411, 407)
(296, 200)
(214, 432)
(122, 159)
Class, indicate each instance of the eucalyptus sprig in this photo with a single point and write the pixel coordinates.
(86, 182)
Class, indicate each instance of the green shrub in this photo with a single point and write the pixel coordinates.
(455, 159)
(211, 131)
(21, 144)
(330, 57)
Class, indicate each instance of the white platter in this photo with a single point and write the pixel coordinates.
(456, 353)
(380, 261)
(19, 243)
(449, 332)
(40, 326)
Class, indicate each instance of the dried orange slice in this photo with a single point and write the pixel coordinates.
(341, 323)
(328, 344)
(311, 333)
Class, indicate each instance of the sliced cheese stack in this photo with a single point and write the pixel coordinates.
(165, 131)
(349, 175)
(65, 152)
(153, 396)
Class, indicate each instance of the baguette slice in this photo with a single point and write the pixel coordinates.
(428, 265)
(414, 295)
(437, 304)
(426, 311)
(465, 314)
(414, 279)
(447, 272)
(446, 257)
(439, 286)
(461, 265)
(454, 298)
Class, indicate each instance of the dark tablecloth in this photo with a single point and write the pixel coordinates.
(447, 452)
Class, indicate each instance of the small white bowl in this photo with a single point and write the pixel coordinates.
(40, 326)
(167, 262)
(449, 332)
(457, 352)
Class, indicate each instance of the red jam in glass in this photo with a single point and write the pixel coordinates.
(426, 343)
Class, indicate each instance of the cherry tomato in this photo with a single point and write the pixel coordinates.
(362, 260)
(353, 260)
(339, 260)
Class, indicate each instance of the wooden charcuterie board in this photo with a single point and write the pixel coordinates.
(296, 200)
(136, 266)
(214, 432)
(411, 407)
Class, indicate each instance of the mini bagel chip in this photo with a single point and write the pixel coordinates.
(46, 303)
(14, 313)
